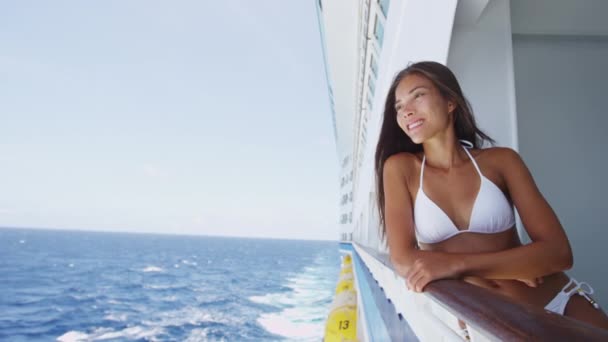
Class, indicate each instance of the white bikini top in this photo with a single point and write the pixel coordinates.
(491, 213)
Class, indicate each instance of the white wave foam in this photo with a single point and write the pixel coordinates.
(189, 263)
(150, 329)
(169, 299)
(73, 336)
(100, 334)
(189, 316)
(116, 317)
(158, 287)
(136, 332)
(300, 318)
(275, 299)
(153, 269)
(198, 335)
(287, 327)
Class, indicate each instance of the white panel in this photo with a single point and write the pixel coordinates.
(469, 11)
(481, 58)
(561, 92)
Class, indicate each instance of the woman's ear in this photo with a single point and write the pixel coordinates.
(451, 106)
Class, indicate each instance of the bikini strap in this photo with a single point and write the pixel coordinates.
(472, 160)
(422, 171)
(582, 289)
(466, 143)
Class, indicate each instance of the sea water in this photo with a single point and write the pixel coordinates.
(88, 286)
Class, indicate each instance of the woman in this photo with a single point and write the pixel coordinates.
(446, 205)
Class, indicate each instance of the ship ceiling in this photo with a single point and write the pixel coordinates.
(559, 17)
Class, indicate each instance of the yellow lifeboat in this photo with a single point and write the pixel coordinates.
(341, 322)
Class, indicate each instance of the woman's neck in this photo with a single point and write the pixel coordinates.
(444, 151)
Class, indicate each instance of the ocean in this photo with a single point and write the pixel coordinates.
(92, 286)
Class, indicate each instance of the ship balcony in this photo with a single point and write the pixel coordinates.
(388, 311)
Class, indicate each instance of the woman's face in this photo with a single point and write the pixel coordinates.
(422, 111)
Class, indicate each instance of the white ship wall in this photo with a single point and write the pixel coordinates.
(409, 27)
(338, 17)
(341, 59)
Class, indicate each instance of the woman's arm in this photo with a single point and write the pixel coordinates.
(398, 214)
(548, 253)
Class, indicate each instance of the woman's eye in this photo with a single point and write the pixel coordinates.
(418, 95)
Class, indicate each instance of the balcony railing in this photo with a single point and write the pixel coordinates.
(490, 317)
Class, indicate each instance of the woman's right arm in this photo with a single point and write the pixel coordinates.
(398, 213)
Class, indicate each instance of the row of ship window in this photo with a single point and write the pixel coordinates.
(346, 218)
(383, 5)
(373, 67)
(346, 198)
(346, 179)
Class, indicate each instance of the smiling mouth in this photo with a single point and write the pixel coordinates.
(414, 125)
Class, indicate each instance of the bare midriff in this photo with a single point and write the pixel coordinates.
(486, 243)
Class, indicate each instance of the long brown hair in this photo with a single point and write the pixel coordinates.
(393, 139)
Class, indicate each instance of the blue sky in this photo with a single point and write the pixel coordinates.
(193, 117)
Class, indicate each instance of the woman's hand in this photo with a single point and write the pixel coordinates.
(432, 266)
(532, 282)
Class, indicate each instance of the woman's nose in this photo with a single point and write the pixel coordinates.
(408, 111)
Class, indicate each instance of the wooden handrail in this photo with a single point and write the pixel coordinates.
(500, 317)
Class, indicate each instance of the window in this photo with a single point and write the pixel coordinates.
(383, 6)
(371, 83)
(379, 31)
(373, 65)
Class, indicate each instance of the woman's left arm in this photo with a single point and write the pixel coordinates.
(549, 252)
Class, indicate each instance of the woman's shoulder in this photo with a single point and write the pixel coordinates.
(402, 160)
(499, 154)
(499, 158)
(404, 164)
(402, 168)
